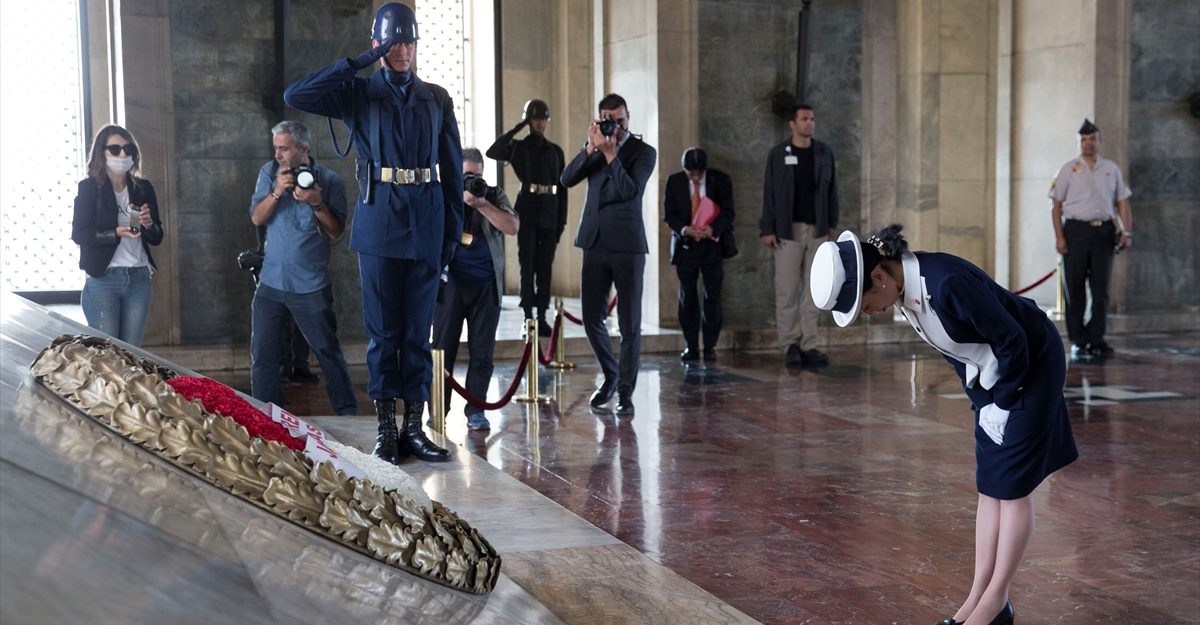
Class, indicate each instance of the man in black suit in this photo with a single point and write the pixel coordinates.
(612, 235)
(696, 251)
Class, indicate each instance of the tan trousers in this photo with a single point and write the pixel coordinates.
(795, 313)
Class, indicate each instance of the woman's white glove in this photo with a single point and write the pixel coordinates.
(993, 419)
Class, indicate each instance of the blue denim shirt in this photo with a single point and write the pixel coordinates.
(297, 249)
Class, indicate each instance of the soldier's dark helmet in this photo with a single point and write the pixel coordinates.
(536, 109)
(395, 21)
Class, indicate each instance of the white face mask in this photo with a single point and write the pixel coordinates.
(119, 165)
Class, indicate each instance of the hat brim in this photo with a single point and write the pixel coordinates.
(847, 318)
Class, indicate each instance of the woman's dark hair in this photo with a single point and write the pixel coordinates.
(98, 168)
(887, 244)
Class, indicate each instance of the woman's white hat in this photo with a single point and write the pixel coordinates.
(836, 279)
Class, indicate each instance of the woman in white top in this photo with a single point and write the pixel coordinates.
(116, 221)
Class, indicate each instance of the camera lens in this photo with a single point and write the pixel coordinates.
(607, 126)
(306, 178)
(475, 185)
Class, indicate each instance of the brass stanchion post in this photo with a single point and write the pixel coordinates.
(437, 392)
(560, 343)
(531, 374)
(1060, 303)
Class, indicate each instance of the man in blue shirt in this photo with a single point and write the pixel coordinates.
(303, 206)
(474, 283)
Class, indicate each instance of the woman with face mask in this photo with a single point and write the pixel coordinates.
(116, 221)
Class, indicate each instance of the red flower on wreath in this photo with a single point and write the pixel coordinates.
(221, 399)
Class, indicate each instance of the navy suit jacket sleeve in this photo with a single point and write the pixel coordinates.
(581, 167)
(675, 195)
(720, 189)
(967, 298)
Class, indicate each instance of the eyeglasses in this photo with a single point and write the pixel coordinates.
(116, 150)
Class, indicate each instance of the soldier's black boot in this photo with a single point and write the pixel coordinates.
(544, 328)
(413, 439)
(387, 442)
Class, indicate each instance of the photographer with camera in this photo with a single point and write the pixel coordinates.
(303, 206)
(612, 235)
(474, 282)
(541, 205)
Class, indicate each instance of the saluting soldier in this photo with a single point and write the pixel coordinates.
(541, 205)
(408, 217)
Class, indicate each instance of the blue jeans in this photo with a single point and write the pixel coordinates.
(314, 316)
(118, 302)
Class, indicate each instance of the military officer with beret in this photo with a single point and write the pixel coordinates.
(1092, 221)
(408, 217)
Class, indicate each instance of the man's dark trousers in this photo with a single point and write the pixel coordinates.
(601, 270)
(477, 304)
(698, 313)
(398, 296)
(314, 315)
(1088, 262)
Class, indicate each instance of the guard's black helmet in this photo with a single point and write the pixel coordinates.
(536, 109)
(395, 21)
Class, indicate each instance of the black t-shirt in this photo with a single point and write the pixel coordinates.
(804, 175)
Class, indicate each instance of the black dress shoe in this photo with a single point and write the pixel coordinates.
(949, 621)
(625, 404)
(604, 393)
(793, 357)
(1081, 353)
(1005, 617)
(814, 357)
(1101, 349)
(689, 355)
(710, 354)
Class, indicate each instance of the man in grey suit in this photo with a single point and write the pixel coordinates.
(612, 235)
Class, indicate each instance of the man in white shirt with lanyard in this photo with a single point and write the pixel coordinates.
(1091, 222)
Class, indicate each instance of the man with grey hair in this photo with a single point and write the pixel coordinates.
(303, 206)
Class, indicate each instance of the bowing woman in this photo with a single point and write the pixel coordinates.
(116, 221)
(1012, 365)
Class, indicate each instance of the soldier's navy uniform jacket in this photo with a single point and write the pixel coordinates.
(405, 232)
(1006, 352)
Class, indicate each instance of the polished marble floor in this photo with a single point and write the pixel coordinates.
(846, 494)
(739, 490)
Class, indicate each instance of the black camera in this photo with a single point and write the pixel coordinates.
(608, 126)
(251, 260)
(477, 186)
(306, 178)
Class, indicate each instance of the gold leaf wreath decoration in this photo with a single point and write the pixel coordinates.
(128, 395)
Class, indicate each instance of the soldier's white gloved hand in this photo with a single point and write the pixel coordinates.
(993, 419)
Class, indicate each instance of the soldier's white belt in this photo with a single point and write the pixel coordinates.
(395, 175)
(542, 189)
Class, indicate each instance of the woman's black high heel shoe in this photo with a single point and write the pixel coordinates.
(1005, 617)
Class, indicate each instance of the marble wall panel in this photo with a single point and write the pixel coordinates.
(962, 49)
(963, 225)
(1033, 235)
(962, 141)
(1039, 25)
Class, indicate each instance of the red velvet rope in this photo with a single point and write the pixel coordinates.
(554, 330)
(508, 395)
(1037, 282)
(577, 321)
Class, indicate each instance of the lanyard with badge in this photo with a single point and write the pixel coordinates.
(790, 159)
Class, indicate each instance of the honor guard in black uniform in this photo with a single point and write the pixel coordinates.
(541, 205)
(409, 214)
